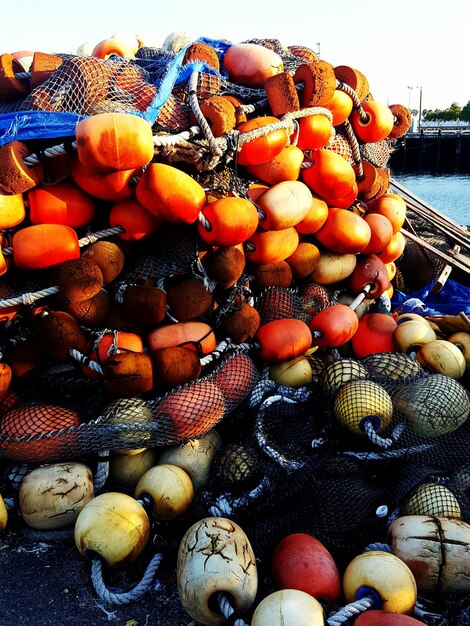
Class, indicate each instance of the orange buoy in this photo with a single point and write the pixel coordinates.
(334, 326)
(112, 343)
(5, 380)
(330, 175)
(271, 246)
(374, 333)
(197, 336)
(392, 207)
(170, 193)
(394, 250)
(284, 166)
(340, 106)
(192, 410)
(282, 340)
(344, 232)
(345, 201)
(255, 190)
(315, 218)
(264, 148)
(381, 232)
(228, 221)
(302, 562)
(303, 260)
(113, 186)
(40, 419)
(137, 222)
(114, 141)
(378, 125)
(111, 46)
(44, 245)
(314, 132)
(235, 378)
(62, 203)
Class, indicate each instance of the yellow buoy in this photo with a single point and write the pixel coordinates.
(170, 488)
(113, 527)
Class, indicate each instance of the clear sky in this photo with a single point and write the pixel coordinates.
(402, 46)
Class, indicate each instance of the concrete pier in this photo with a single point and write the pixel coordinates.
(436, 152)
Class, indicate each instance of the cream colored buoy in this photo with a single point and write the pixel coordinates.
(411, 335)
(194, 457)
(214, 556)
(437, 550)
(442, 357)
(433, 405)
(432, 499)
(462, 341)
(288, 607)
(293, 373)
(3, 515)
(128, 411)
(386, 575)
(125, 470)
(52, 496)
(170, 488)
(112, 527)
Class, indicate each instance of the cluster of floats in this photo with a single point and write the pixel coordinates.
(312, 215)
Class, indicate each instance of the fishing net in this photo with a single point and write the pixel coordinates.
(338, 456)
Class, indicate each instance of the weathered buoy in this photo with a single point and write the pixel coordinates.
(436, 549)
(215, 556)
(52, 496)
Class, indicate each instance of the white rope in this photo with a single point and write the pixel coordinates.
(84, 360)
(53, 151)
(221, 348)
(198, 114)
(102, 471)
(227, 610)
(355, 98)
(110, 597)
(225, 506)
(351, 610)
(162, 141)
(371, 433)
(100, 234)
(28, 298)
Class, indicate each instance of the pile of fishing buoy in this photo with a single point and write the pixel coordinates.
(311, 224)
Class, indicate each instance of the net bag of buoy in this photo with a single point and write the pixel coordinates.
(86, 86)
(65, 425)
(275, 303)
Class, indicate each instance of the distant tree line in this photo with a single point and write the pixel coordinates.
(453, 114)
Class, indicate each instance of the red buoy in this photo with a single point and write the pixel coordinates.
(302, 562)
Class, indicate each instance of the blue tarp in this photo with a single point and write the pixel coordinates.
(453, 299)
